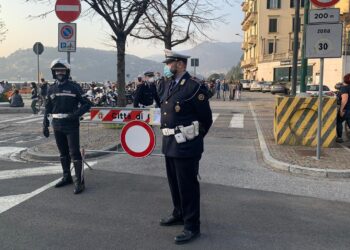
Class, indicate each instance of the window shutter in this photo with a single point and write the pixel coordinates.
(268, 4)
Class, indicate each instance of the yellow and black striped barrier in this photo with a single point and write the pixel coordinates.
(295, 121)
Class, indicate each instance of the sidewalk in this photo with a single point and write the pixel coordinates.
(92, 137)
(6, 109)
(299, 159)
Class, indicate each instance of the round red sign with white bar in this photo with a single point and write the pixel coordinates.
(68, 10)
(324, 3)
(137, 139)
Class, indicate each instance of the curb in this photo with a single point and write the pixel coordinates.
(292, 168)
(37, 156)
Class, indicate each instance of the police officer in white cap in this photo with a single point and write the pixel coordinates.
(185, 119)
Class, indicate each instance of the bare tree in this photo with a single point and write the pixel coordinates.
(122, 16)
(3, 29)
(174, 22)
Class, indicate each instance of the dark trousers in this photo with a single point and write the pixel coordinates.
(340, 121)
(184, 187)
(33, 106)
(68, 143)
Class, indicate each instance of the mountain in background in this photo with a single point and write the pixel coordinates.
(214, 57)
(87, 65)
(100, 65)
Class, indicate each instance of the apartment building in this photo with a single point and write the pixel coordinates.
(268, 44)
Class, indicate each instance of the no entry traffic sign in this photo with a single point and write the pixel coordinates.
(137, 139)
(324, 3)
(68, 10)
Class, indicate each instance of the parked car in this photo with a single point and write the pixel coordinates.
(245, 84)
(256, 86)
(312, 90)
(338, 86)
(280, 88)
(266, 87)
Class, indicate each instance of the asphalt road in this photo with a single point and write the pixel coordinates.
(244, 204)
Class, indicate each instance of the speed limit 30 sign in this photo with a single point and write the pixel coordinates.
(324, 40)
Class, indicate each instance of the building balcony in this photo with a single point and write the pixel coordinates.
(250, 18)
(246, 18)
(278, 57)
(244, 45)
(245, 6)
(253, 17)
(248, 63)
(245, 26)
(252, 39)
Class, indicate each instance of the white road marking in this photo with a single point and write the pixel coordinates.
(8, 202)
(7, 153)
(237, 121)
(31, 120)
(36, 139)
(27, 172)
(215, 116)
(16, 119)
(11, 139)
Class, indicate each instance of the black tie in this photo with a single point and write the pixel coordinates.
(171, 86)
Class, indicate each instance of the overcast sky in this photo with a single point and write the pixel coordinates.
(92, 32)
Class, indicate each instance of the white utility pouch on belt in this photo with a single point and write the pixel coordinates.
(183, 134)
(179, 136)
(190, 132)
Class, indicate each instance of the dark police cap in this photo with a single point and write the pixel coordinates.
(149, 73)
(171, 56)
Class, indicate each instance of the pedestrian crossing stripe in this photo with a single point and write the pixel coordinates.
(237, 121)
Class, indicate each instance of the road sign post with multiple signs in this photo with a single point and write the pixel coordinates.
(67, 11)
(324, 35)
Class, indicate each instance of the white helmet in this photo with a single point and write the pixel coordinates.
(60, 64)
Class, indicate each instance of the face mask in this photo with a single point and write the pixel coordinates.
(61, 77)
(151, 80)
(167, 72)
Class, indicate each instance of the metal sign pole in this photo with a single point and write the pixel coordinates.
(68, 57)
(195, 70)
(37, 48)
(320, 109)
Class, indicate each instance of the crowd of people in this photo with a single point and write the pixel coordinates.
(225, 90)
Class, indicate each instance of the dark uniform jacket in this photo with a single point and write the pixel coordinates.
(145, 94)
(65, 98)
(186, 103)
